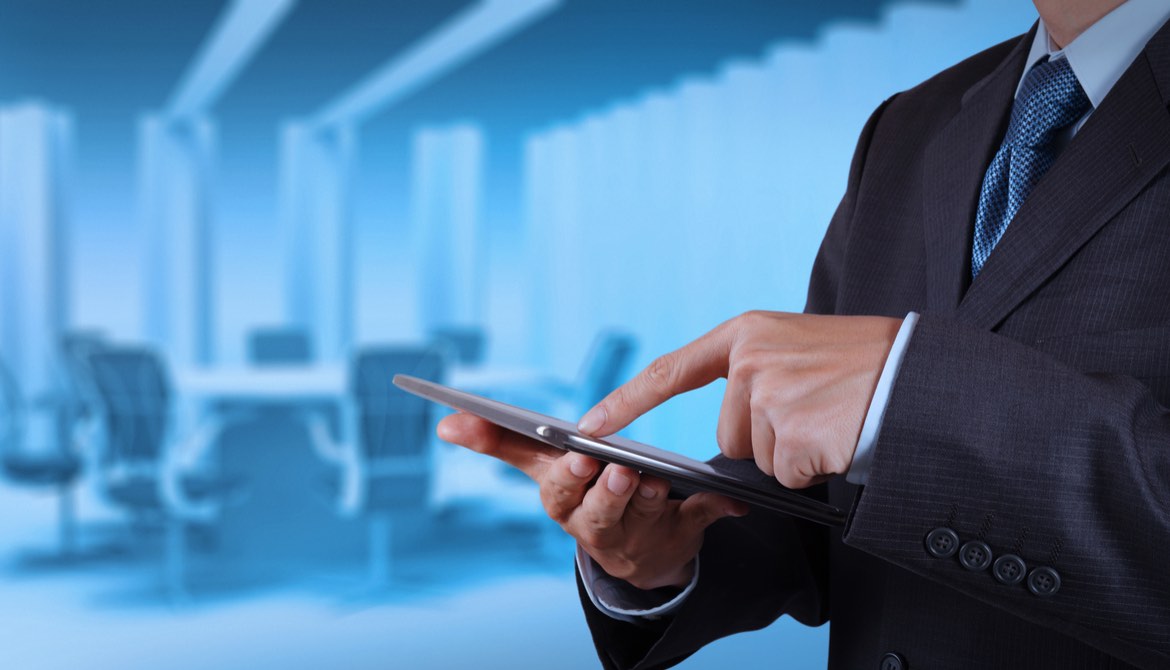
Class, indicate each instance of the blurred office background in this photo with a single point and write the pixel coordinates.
(225, 224)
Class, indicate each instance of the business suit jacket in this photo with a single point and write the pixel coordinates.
(1029, 412)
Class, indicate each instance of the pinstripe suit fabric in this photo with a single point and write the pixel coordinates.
(1030, 410)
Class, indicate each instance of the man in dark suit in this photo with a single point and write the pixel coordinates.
(1010, 435)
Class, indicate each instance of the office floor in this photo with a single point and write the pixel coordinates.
(485, 607)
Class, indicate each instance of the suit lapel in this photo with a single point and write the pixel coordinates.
(954, 165)
(1123, 145)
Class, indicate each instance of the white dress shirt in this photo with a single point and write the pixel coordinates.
(1098, 57)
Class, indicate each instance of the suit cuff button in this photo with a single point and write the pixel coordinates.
(975, 555)
(893, 661)
(1009, 569)
(1044, 581)
(942, 543)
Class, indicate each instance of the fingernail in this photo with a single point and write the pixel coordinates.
(618, 483)
(593, 420)
(736, 511)
(581, 466)
(647, 492)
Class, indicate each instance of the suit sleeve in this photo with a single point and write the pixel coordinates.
(1008, 447)
(830, 261)
(755, 568)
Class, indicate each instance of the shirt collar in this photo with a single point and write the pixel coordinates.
(1102, 53)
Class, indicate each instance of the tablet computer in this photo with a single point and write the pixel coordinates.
(735, 479)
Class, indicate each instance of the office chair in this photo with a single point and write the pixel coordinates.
(279, 346)
(604, 369)
(385, 462)
(463, 344)
(52, 462)
(79, 393)
(141, 468)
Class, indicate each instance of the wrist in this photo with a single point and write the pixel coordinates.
(682, 577)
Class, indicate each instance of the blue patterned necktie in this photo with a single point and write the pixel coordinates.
(1050, 100)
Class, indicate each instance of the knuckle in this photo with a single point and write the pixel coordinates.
(750, 320)
(790, 471)
(558, 500)
(738, 451)
(839, 463)
(555, 508)
(729, 447)
(792, 478)
(640, 507)
(749, 317)
(758, 406)
(711, 515)
(723, 439)
(661, 372)
(619, 399)
(598, 523)
(706, 516)
(785, 428)
(780, 466)
(588, 538)
(648, 511)
(787, 479)
(764, 463)
(742, 364)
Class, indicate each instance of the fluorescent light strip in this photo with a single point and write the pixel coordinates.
(458, 40)
(243, 29)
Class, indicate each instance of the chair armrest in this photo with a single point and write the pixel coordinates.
(326, 447)
(184, 458)
(86, 437)
(341, 454)
(351, 498)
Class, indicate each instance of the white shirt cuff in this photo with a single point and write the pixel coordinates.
(619, 600)
(862, 457)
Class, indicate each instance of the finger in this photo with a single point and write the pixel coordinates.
(564, 485)
(697, 364)
(648, 501)
(703, 509)
(604, 505)
(734, 434)
(763, 443)
(527, 455)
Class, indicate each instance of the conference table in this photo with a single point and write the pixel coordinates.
(293, 384)
(288, 527)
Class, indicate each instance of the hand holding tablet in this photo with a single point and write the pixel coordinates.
(735, 479)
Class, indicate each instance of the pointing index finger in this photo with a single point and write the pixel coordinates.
(694, 365)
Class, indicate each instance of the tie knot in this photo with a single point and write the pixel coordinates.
(1050, 99)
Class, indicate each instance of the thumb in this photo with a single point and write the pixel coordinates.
(703, 509)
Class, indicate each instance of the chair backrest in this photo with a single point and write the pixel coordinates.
(605, 367)
(391, 422)
(11, 410)
(135, 398)
(78, 396)
(280, 346)
(464, 344)
(75, 351)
